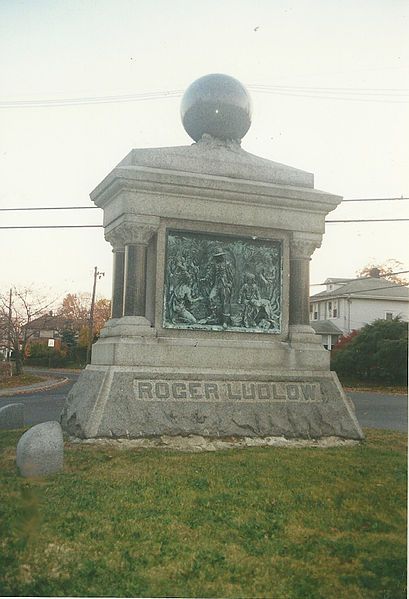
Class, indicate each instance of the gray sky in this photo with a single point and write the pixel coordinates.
(337, 75)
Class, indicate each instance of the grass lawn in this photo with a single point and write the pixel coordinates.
(261, 522)
(20, 380)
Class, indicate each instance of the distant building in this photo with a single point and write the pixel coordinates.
(48, 326)
(348, 305)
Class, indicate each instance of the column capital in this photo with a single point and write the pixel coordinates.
(303, 245)
(132, 230)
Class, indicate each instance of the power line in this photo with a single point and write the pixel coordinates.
(348, 293)
(53, 227)
(51, 208)
(389, 274)
(49, 103)
(341, 92)
(368, 220)
(401, 198)
(350, 94)
(375, 220)
(332, 93)
(376, 199)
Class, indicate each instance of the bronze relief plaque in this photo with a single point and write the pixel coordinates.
(222, 283)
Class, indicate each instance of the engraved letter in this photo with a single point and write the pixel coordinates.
(264, 391)
(179, 390)
(145, 388)
(193, 390)
(211, 389)
(309, 392)
(248, 394)
(230, 394)
(293, 392)
(162, 390)
(276, 395)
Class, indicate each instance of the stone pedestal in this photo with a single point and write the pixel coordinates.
(210, 330)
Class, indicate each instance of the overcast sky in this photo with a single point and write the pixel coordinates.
(336, 105)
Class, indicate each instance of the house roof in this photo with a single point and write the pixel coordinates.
(335, 280)
(366, 287)
(325, 327)
(49, 322)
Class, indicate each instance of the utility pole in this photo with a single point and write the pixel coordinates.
(97, 275)
(9, 329)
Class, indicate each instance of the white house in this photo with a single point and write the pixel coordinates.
(348, 304)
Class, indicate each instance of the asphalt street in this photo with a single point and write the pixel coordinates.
(373, 410)
(44, 405)
(377, 410)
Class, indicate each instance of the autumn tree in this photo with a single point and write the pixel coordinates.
(386, 270)
(17, 311)
(75, 308)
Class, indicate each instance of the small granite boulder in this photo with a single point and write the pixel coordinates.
(12, 416)
(40, 451)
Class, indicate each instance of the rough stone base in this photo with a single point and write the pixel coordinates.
(197, 444)
(134, 403)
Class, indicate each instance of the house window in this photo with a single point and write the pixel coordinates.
(332, 309)
(388, 315)
(314, 311)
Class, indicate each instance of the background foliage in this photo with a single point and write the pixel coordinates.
(378, 352)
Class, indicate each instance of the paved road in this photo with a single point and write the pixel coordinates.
(373, 410)
(44, 405)
(376, 410)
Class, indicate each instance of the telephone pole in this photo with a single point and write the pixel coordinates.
(97, 275)
(9, 329)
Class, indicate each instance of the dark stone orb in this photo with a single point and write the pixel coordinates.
(218, 105)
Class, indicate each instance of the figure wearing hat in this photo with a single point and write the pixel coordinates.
(220, 278)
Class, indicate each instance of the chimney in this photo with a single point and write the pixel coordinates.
(375, 273)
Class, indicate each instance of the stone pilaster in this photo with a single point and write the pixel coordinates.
(301, 250)
(302, 247)
(118, 282)
(130, 238)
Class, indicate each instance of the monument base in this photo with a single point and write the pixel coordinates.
(142, 402)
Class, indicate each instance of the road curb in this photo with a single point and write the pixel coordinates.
(30, 389)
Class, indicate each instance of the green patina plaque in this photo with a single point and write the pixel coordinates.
(222, 283)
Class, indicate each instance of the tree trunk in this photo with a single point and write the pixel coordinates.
(19, 361)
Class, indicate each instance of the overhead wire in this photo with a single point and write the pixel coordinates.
(375, 220)
(389, 274)
(318, 295)
(392, 95)
(30, 208)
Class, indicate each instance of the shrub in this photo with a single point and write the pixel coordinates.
(378, 352)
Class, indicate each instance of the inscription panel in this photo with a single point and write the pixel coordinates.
(219, 391)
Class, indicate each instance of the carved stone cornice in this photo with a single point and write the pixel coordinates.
(132, 230)
(302, 245)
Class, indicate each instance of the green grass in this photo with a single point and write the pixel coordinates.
(260, 522)
(351, 384)
(20, 380)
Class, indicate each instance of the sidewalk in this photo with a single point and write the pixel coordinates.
(49, 383)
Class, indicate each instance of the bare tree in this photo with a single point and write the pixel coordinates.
(17, 310)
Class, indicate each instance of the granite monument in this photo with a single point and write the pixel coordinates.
(209, 333)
